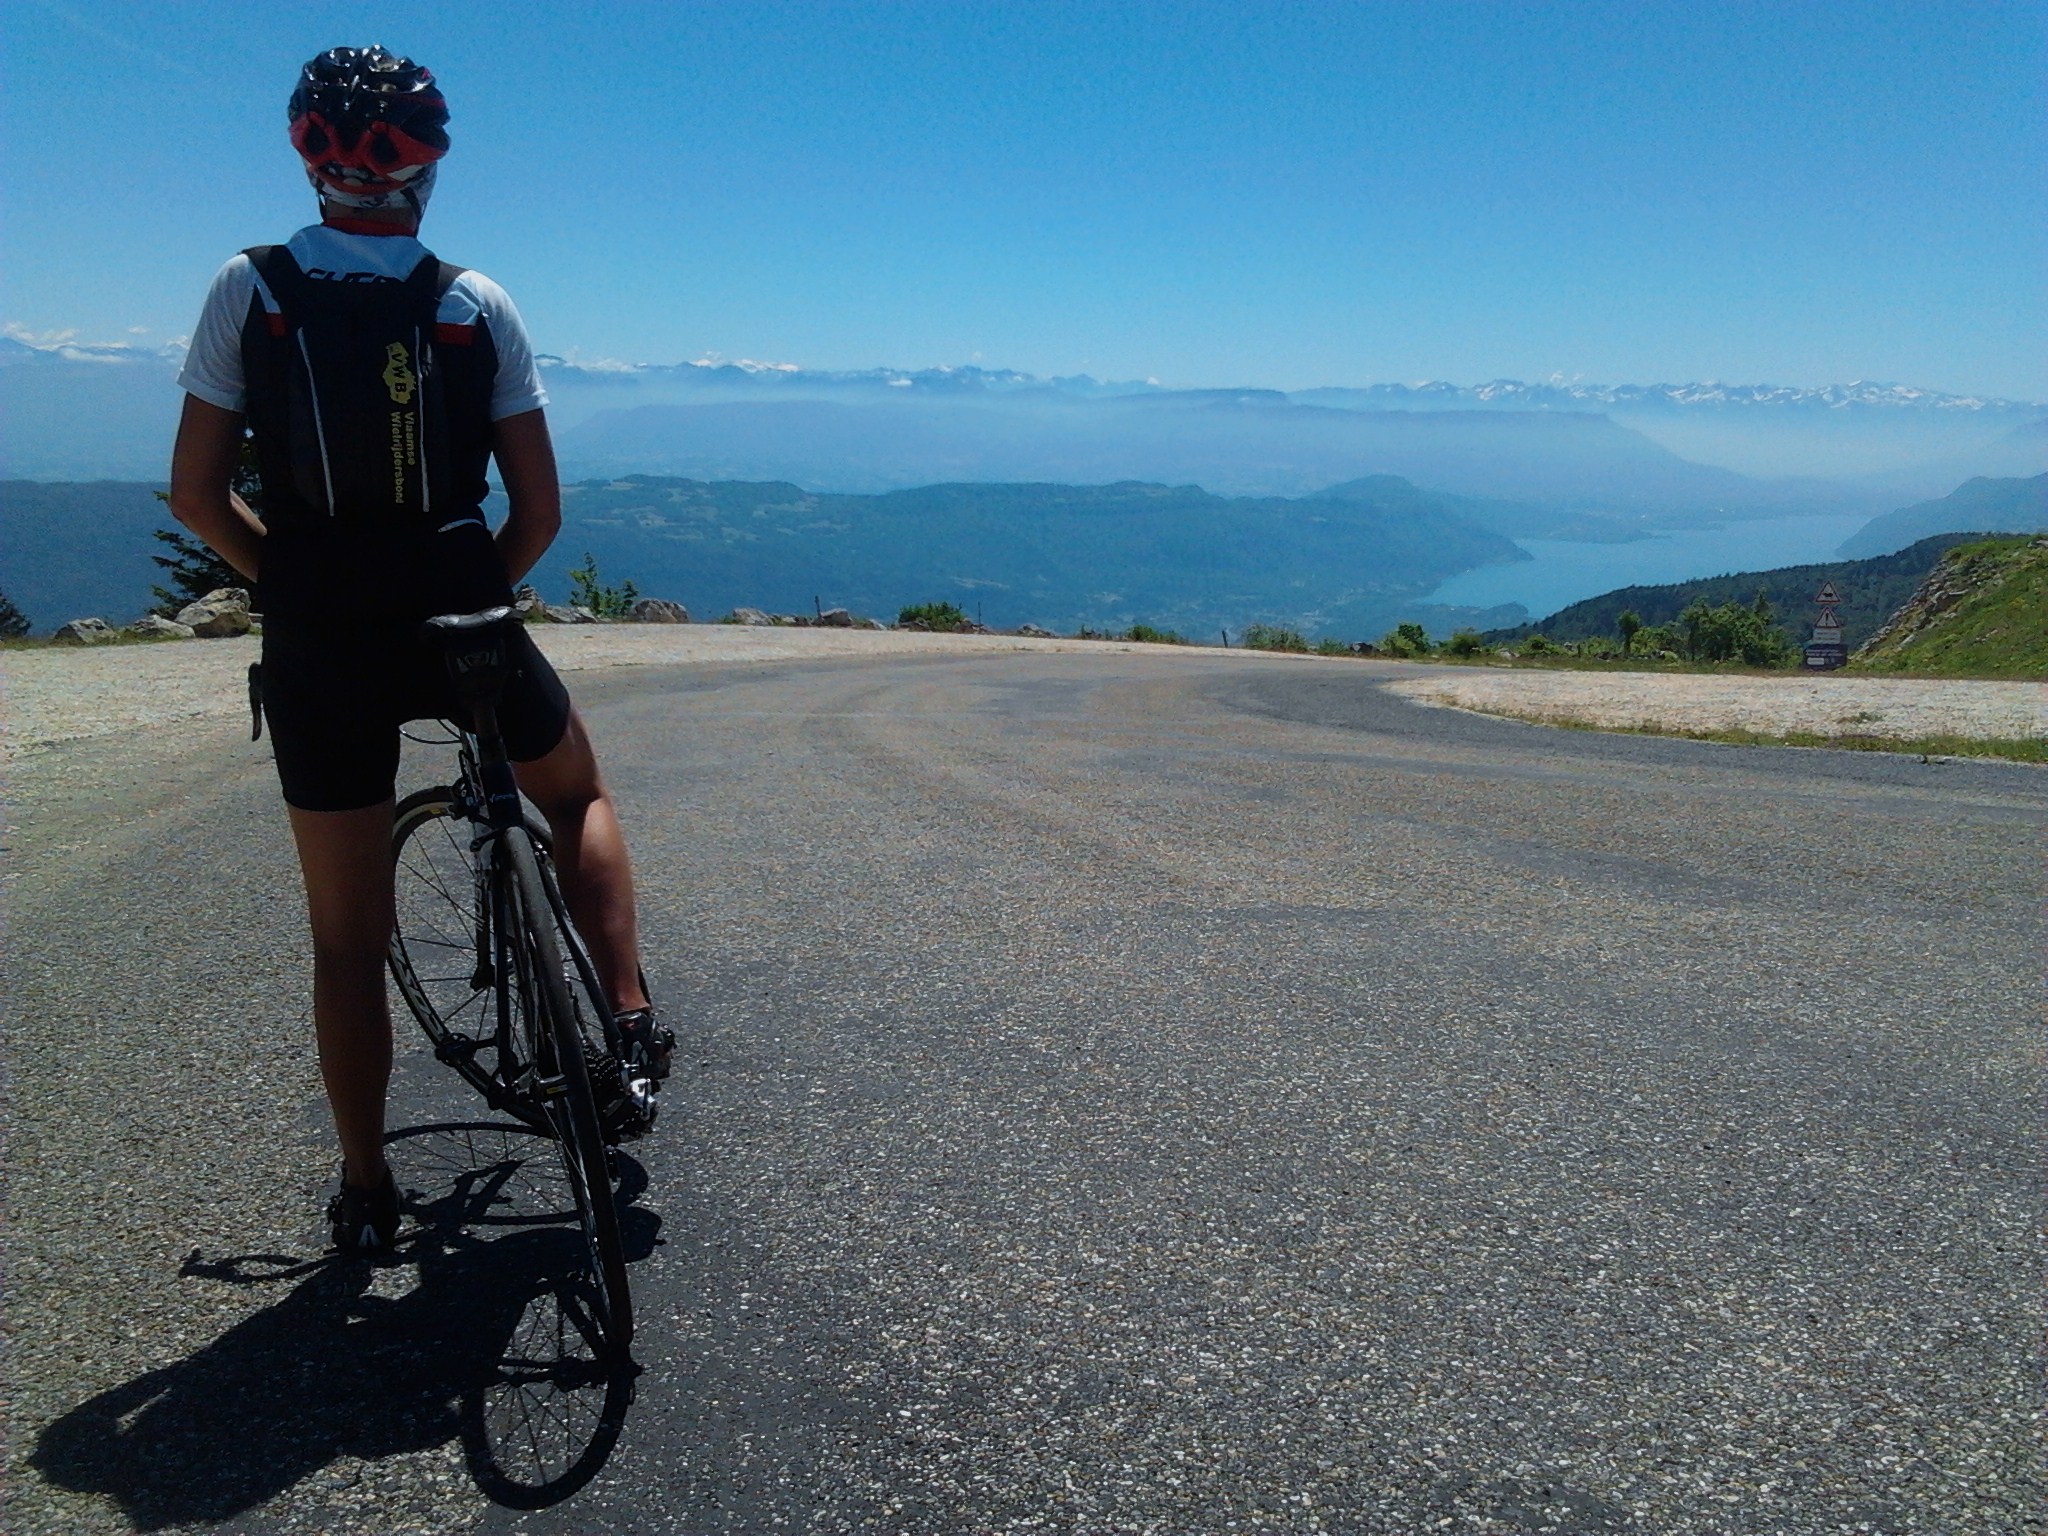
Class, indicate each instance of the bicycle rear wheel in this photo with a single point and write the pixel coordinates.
(556, 1011)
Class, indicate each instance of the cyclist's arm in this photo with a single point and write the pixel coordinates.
(526, 463)
(202, 472)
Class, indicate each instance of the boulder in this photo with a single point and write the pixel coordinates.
(84, 632)
(221, 613)
(753, 617)
(154, 626)
(1036, 633)
(836, 618)
(869, 624)
(567, 613)
(659, 610)
(527, 604)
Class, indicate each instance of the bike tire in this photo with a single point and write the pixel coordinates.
(552, 1013)
(440, 913)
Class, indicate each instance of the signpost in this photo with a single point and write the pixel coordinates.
(1825, 651)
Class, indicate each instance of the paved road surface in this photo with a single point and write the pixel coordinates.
(1118, 1097)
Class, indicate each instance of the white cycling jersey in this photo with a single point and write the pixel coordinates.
(213, 362)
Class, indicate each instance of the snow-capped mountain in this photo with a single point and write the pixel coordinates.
(1557, 394)
(84, 410)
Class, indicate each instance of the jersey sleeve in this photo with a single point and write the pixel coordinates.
(517, 388)
(213, 358)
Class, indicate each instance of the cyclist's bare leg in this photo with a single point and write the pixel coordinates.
(591, 857)
(345, 857)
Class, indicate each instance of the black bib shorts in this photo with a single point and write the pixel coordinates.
(344, 665)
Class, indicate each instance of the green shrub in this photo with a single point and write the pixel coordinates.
(1539, 645)
(1328, 646)
(587, 591)
(1733, 632)
(1656, 639)
(1147, 635)
(1406, 640)
(1467, 642)
(1271, 637)
(940, 618)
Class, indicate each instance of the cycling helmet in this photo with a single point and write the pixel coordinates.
(369, 124)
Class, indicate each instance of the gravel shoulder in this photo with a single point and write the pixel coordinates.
(1827, 704)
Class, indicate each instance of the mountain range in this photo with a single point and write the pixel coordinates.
(1639, 456)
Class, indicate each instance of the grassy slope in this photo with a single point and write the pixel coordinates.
(1999, 627)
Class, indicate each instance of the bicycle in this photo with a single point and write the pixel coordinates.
(488, 960)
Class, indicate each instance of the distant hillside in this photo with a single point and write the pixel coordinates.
(1981, 612)
(1238, 442)
(1995, 506)
(70, 550)
(1064, 556)
(1871, 591)
(1059, 555)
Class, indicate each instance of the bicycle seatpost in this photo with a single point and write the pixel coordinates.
(474, 648)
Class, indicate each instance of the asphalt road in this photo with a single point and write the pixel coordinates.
(1119, 1094)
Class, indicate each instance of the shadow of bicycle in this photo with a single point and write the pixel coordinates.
(490, 1344)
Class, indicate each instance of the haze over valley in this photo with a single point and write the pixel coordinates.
(1074, 502)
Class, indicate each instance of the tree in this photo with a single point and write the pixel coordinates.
(1732, 632)
(13, 622)
(1630, 624)
(1467, 642)
(586, 591)
(194, 569)
(1409, 639)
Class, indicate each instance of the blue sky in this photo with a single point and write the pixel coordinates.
(1276, 194)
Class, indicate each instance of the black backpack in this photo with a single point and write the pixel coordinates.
(363, 407)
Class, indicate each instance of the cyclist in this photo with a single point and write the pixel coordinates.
(376, 384)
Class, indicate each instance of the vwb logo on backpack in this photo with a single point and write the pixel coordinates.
(398, 375)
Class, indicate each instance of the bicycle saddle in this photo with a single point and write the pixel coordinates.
(476, 650)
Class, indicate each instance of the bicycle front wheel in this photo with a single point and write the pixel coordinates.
(555, 1014)
(441, 953)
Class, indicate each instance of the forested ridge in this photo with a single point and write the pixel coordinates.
(1871, 591)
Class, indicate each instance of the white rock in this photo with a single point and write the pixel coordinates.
(222, 612)
(84, 632)
(659, 610)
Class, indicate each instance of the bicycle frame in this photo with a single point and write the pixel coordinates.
(486, 792)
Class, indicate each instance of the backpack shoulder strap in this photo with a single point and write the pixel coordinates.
(280, 273)
(433, 276)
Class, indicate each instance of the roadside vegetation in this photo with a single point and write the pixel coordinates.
(588, 590)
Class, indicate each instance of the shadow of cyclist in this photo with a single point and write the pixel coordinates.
(486, 1343)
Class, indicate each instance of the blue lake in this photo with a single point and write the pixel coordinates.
(1563, 572)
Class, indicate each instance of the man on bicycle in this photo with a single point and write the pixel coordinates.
(377, 384)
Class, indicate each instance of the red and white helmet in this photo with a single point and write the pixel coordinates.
(369, 124)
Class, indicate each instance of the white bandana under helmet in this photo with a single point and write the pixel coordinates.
(411, 193)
